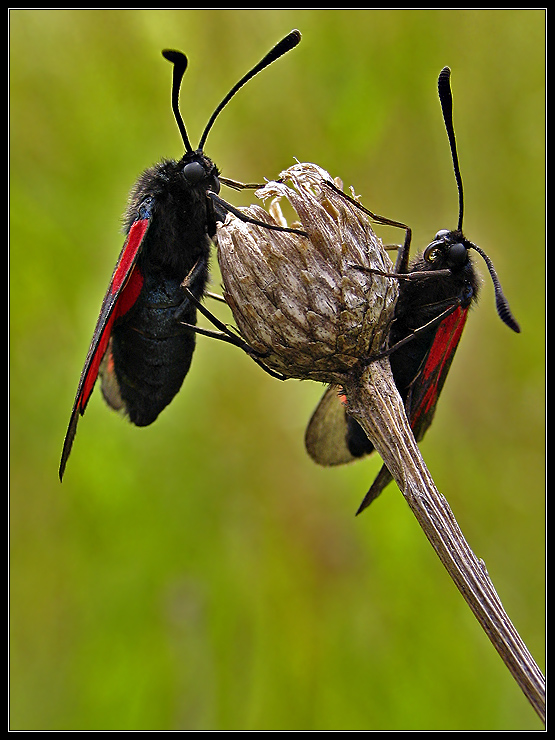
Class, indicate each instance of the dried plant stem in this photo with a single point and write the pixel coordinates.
(375, 403)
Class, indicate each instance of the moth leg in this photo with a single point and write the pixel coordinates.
(239, 185)
(222, 332)
(402, 263)
(408, 276)
(451, 307)
(215, 296)
(228, 208)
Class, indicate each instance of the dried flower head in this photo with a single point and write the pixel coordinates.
(299, 300)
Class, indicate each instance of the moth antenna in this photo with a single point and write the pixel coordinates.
(179, 61)
(285, 45)
(500, 301)
(446, 100)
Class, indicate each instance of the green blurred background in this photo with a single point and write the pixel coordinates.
(203, 573)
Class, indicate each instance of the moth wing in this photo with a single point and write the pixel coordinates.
(125, 286)
(425, 390)
(326, 433)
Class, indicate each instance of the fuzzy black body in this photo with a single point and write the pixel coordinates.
(151, 349)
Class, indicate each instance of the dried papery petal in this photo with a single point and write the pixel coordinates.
(300, 300)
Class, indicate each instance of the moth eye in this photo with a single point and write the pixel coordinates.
(457, 255)
(194, 172)
(432, 254)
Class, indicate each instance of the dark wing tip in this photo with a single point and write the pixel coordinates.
(68, 441)
(382, 480)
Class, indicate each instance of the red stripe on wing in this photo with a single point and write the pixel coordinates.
(429, 383)
(115, 308)
(125, 286)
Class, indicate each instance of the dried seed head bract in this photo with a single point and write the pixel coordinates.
(299, 300)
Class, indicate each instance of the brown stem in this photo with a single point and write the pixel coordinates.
(375, 403)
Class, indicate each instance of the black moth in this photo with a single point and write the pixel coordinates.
(144, 338)
(436, 290)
